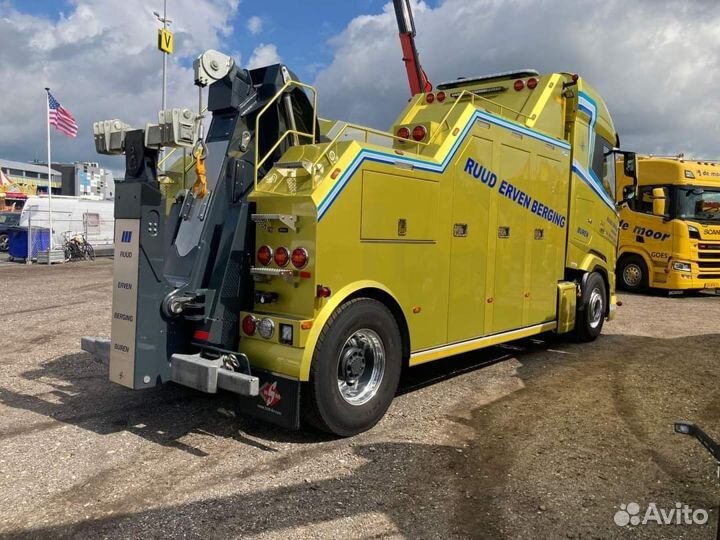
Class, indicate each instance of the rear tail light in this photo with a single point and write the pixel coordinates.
(419, 133)
(430, 97)
(532, 83)
(265, 255)
(282, 256)
(249, 324)
(441, 96)
(323, 292)
(300, 258)
(201, 335)
(519, 85)
(403, 133)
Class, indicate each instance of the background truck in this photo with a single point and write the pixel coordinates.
(670, 233)
(307, 268)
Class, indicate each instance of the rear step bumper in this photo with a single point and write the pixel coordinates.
(265, 395)
(208, 375)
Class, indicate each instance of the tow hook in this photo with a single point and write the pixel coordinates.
(175, 305)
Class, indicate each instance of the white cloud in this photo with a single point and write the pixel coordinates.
(101, 61)
(655, 62)
(264, 55)
(254, 25)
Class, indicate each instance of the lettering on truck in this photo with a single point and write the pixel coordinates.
(489, 178)
(645, 231)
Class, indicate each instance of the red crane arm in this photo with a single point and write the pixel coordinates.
(417, 78)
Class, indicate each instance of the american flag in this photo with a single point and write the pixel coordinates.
(61, 118)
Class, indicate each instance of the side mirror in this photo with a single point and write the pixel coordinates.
(628, 194)
(659, 202)
(630, 164)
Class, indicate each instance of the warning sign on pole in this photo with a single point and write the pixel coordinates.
(166, 42)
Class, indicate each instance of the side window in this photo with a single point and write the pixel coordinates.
(643, 203)
(603, 165)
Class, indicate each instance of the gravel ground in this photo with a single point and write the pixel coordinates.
(537, 440)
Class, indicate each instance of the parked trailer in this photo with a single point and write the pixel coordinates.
(303, 273)
(74, 215)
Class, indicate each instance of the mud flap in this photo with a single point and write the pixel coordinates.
(278, 401)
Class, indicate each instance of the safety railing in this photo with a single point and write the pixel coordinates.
(259, 162)
(419, 146)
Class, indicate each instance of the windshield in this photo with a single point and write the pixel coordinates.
(9, 219)
(697, 204)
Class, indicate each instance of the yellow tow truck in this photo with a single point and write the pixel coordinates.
(670, 233)
(312, 262)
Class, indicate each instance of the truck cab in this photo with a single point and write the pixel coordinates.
(670, 233)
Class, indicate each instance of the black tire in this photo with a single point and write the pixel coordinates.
(591, 309)
(4, 242)
(90, 252)
(68, 254)
(632, 274)
(359, 322)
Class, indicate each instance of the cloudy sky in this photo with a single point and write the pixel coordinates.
(656, 62)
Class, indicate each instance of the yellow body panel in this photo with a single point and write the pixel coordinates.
(659, 240)
(466, 236)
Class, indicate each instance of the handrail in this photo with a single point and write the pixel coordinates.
(260, 162)
(420, 144)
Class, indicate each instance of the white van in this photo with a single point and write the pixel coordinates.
(92, 217)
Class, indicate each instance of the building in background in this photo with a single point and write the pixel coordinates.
(31, 178)
(86, 179)
(79, 179)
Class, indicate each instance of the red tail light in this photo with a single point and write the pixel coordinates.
(430, 97)
(532, 83)
(441, 96)
(265, 255)
(519, 85)
(201, 335)
(419, 133)
(249, 325)
(299, 257)
(323, 292)
(282, 256)
(403, 133)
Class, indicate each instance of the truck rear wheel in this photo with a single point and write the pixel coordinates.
(355, 369)
(591, 308)
(632, 273)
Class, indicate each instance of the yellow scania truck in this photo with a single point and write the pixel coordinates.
(308, 266)
(670, 233)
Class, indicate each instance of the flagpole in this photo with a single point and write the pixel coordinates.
(47, 120)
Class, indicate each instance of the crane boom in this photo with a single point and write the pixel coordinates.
(419, 82)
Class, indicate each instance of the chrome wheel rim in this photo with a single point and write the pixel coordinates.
(632, 275)
(361, 367)
(596, 309)
(4, 243)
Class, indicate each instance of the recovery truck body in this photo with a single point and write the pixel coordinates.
(312, 266)
(670, 233)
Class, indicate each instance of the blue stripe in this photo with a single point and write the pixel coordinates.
(589, 107)
(383, 157)
(596, 187)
